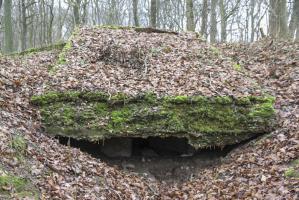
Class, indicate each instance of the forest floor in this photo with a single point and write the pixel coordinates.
(34, 165)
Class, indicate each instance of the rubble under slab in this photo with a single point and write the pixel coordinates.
(164, 159)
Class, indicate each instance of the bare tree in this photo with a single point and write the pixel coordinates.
(213, 16)
(225, 14)
(190, 15)
(296, 10)
(204, 23)
(77, 5)
(278, 19)
(8, 35)
(135, 12)
(153, 14)
(294, 22)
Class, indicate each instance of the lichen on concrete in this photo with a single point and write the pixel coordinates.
(205, 121)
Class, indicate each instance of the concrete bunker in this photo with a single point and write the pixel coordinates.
(160, 85)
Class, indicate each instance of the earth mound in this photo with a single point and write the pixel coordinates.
(128, 82)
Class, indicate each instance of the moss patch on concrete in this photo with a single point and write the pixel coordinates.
(214, 121)
(58, 46)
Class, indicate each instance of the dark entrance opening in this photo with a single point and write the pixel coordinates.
(165, 159)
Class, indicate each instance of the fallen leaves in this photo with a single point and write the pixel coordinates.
(131, 62)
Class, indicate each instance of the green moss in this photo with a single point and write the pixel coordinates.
(119, 98)
(16, 183)
(68, 115)
(150, 97)
(223, 100)
(19, 144)
(237, 67)
(291, 173)
(199, 99)
(244, 101)
(295, 163)
(100, 108)
(207, 121)
(263, 110)
(71, 96)
(12, 181)
(94, 96)
(262, 99)
(58, 46)
(175, 123)
(17, 187)
(120, 116)
(176, 99)
(45, 99)
(62, 56)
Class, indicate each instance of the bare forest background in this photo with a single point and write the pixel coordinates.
(35, 23)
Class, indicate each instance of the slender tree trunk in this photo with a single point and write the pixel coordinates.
(158, 5)
(51, 20)
(283, 19)
(223, 20)
(76, 11)
(8, 35)
(44, 24)
(84, 18)
(113, 18)
(153, 14)
(135, 13)
(190, 15)
(204, 24)
(252, 19)
(294, 23)
(278, 19)
(60, 25)
(213, 28)
(24, 26)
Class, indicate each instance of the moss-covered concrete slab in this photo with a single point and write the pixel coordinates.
(204, 121)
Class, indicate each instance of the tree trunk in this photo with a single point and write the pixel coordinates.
(252, 19)
(223, 20)
(204, 24)
(24, 26)
(76, 10)
(113, 16)
(294, 23)
(8, 35)
(190, 15)
(278, 19)
(51, 20)
(153, 15)
(135, 13)
(213, 29)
